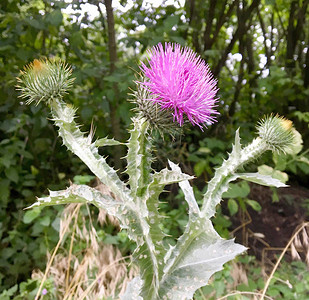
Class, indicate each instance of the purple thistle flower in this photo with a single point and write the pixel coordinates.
(179, 80)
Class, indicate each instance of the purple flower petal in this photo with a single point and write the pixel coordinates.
(180, 80)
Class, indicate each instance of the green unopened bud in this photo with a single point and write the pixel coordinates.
(277, 132)
(44, 80)
(158, 118)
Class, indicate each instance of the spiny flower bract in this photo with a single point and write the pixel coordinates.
(161, 120)
(179, 80)
(277, 132)
(44, 80)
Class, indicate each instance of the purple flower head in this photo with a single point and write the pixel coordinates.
(179, 80)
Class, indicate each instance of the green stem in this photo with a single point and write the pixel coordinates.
(297, 157)
(225, 174)
(81, 146)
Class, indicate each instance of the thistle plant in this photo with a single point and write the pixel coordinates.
(176, 88)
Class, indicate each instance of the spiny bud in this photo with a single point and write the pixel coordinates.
(44, 80)
(277, 132)
(158, 118)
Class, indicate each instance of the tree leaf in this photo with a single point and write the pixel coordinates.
(12, 174)
(55, 17)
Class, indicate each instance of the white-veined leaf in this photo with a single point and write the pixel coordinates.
(261, 179)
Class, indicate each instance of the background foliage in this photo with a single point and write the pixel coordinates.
(257, 49)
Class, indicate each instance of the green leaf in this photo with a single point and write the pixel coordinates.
(30, 215)
(304, 160)
(266, 180)
(297, 143)
(76, 39)
(275, 196)
(80, 145)
(111, 240)
(187, 190)
(280, 161)
(35, 23)
(107, 142)
(86, 112)
(7, 294)
(79, 194)
(7, 253)
(152, 268)
(45, 221)
(139, 157)
(4, 190)
(170, 21)
(199, 167)
(12, 174)
(236, 190)
(274, 177)
(303, 164)
(236, 147)
(56, 224)
(133, 290)
(83, 179)
(194, 259)
(254, 204)
(55, 17)
(232, 206)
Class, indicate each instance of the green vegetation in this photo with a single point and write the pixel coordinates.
(257, 49)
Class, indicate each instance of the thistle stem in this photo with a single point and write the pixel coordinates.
(81, 146)
(226, 173)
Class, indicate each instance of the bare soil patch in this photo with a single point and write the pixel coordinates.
(268, 231)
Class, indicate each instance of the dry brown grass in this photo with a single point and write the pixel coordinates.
(96, 271)
(300, 245)
(297, 232)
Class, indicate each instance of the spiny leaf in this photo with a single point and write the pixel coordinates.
(75, 141)
(236, 147)
(199, 253)
(165, 177)
(261, 179)
(107, 142)
(148, 267)
(133, 290)
(187, 190)
(151, 255)
(216, 187)
(126, 212)
(79, 194)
